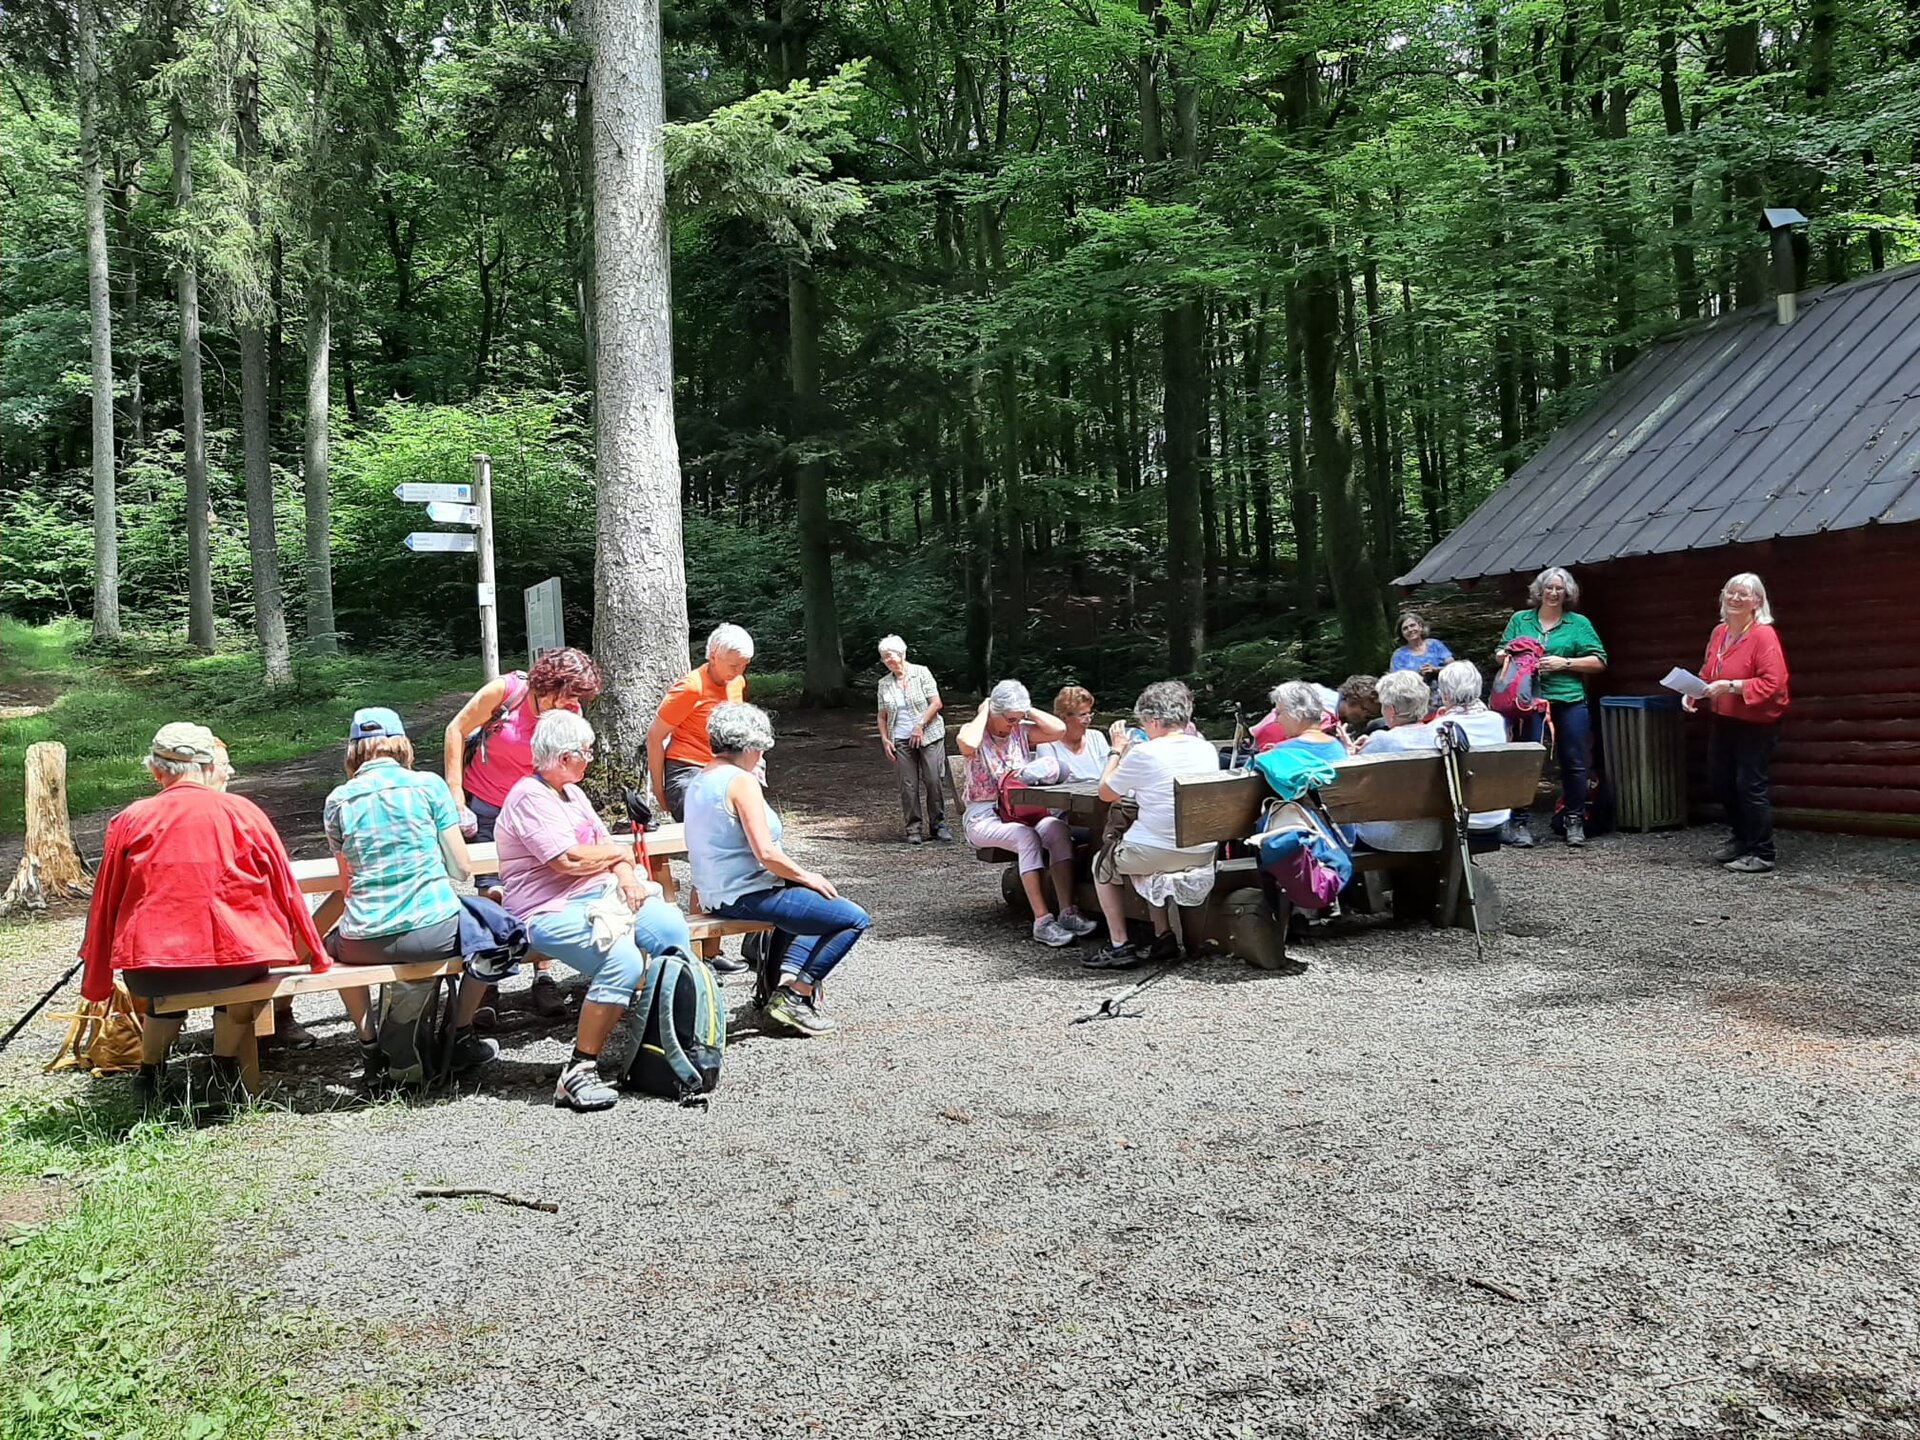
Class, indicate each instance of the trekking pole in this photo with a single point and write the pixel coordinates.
(1452, 740)
(1110, 1007)
(39, 1005)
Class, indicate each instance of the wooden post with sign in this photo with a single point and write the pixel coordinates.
(489, 609)
(546, 628)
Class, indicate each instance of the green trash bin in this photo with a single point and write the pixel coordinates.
(1645, 741)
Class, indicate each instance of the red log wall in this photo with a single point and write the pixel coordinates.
(1849, 756)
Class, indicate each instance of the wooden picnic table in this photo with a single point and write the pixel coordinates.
(1078, 800)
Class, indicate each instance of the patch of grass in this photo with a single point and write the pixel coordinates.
(114, 1320)
(112, 697)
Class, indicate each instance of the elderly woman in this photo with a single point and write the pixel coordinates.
(677, 739)
(488, 750)
(999, 741)
(1573, 656)
(912, 733)
(1300, 717)
(1746, 675)
(194, 892)
(1143, 772)
(395, 836)
(1419, 651)
(1081, 753)
(741, 873)
(580, 897)
(1460, 688)
(1403, 705)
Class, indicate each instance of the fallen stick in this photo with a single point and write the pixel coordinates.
(550, 1207)
(1494, 1287)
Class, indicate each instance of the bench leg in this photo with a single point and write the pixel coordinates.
(233, 1027)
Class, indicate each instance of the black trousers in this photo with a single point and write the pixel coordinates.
(1739, 760)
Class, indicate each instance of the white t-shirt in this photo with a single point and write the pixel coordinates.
(1399, 835)
(1088, 764)
(1146, 774)
(1483, 727)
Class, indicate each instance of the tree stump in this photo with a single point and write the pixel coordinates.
(51, 868)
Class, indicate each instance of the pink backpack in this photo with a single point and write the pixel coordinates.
(1515, 691)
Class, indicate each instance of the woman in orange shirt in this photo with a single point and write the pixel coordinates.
(1746, 675)
(677, 748)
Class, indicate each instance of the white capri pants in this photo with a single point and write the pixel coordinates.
(1038, 846)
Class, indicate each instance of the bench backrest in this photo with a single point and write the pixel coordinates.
(1226, 806)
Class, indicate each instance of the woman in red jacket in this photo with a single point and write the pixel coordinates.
(1746, 675)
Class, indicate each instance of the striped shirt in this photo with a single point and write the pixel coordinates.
(387, 822)
(912, 696)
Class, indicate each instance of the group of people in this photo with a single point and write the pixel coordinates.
(197, 892)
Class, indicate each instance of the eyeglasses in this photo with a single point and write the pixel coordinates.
(585, 752)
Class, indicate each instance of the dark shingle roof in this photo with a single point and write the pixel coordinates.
(1738, 431)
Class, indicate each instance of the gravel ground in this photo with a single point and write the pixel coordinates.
(1648, 1169)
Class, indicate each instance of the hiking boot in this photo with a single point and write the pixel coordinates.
(941, 832)
(789, 1010)
(913, 835)
(1728, 853)
(1518, 831)
(1576, 832)
(581, 1088)
(1165, 947)
(1123, 956)
(470, 1052)
(1079, 924)
(548, 1002)
(1750, 865)
(1050, 931)
(150, 1085)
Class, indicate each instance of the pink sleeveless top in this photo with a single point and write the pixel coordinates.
(993, 759)
(509, 751)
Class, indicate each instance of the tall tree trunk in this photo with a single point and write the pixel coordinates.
(321, 636)
(826, 670)
(193, 410)
(640, 586)
(1302, 508)
(129, 242)
(1259, 442)
(250, 330)
(1742, 62)
(106, 535)
(1686, 281)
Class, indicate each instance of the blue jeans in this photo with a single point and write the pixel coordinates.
(614, 974)
(1572, 743)
(811, 934)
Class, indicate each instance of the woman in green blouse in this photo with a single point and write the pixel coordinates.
(1574, 654)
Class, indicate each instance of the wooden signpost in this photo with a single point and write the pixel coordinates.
(463, 505)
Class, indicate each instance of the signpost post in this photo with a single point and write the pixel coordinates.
(464, 505)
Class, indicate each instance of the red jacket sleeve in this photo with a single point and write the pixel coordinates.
(96, 945)
(1769, 676)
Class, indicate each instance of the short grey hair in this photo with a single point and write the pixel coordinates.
(1404, 693)
(1547, 577)
(1747, 580)
(559, 734)
(174, 769)
(1297, 700)
(735, 728)
(1460, 686)
(1167, 703)
(730, 640)
(893, 645)
(1009, 697)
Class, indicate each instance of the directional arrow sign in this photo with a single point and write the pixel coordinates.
(458, 494)
(443, 542)
(441, 513)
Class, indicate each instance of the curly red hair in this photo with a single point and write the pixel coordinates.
(565, 675)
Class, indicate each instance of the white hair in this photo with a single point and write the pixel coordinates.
(1546, 577)
(1299, 702)
(1747, 580)
(559, 734)
(893, 645)
(1404, 693)
(173, 769)
(1459, 685)
(729, 640)
(735, 728)
(1009, 697)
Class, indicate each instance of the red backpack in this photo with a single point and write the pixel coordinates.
(1515, 691)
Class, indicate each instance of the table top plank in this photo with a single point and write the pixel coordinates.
(321, 877)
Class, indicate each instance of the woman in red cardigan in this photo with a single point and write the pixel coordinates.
(1746, 675)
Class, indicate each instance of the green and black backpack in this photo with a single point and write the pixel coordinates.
(683, 1030)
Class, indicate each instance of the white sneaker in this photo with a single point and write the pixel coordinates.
(581, 1088)
(1051, 932)
(1076, 922)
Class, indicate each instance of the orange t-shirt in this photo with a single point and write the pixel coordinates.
(685, 711)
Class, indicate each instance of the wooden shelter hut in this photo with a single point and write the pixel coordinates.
(1788, 446)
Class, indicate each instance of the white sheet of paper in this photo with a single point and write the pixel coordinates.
(1685, 682)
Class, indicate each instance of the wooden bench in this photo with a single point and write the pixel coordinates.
(322, 878)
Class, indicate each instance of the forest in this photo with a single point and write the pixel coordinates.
(1105, 338)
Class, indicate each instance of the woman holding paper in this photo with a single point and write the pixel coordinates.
(1574, 655)
(1746, 676)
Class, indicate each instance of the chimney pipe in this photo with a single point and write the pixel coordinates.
(1779, 227)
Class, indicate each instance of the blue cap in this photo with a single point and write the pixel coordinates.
(374, 723)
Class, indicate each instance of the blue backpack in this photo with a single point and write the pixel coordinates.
(683, 1036)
